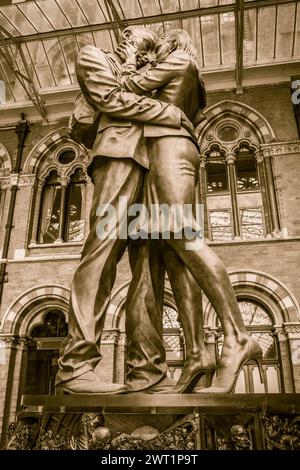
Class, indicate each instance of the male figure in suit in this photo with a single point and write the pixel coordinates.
(119, 161)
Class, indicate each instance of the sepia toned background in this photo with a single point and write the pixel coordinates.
(249, 52)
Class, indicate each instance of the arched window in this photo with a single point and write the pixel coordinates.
(50, 209)
(74, 228)
(246, 170)
(61, 215)
(44, 352)
(259, 323)
(173, 342)
(234, 199)
(216, 172)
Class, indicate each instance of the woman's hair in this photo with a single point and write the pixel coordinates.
(147, 35)
(181, 40)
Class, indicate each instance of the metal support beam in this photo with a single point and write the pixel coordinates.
(239, 43)
(23, 78)
(116, 21)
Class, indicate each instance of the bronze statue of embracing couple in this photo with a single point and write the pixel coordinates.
(145, 149)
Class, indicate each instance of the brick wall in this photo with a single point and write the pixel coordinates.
(273, 102)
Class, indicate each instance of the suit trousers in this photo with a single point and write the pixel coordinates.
(94, 279)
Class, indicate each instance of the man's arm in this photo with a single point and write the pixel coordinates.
(104, 93)
(154, 78)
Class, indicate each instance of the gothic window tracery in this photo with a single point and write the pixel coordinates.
(260, 325)
(62, 186)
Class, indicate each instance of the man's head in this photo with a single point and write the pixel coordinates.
(143, 40)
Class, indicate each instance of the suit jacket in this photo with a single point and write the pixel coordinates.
(120, 132)
(177, 81)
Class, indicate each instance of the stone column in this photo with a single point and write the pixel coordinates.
(12, 376)
(210, 335)
(88, 203)
(271, 191)
(5, 185)
(230, 159)
(264, 192)
(107, 368)
(292, 331)
(64, 181)
(201, 197)
(38, 188)
(285, 359)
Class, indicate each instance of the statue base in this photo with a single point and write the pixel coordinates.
(140, 421)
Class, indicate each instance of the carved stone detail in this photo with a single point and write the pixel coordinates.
(92, 433)
(5, 182)
(282, 433)
(14, 341)
(203, 161)
(292, 330)
(280, 333)
(110, 337)
(259, 155)
(27, 180)
(210, 336)
(280, 148)
(230, 158)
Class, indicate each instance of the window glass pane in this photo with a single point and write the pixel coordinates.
(34, 14)
(254, 314)
(57, 61)
(150, 8)
(170, 318)
(208, 3)
(174, 350)
(92, 11)
(227, 27)
(297, 33)
(66, 157)
(266, 342)
(258, 387)
(192, 25)
(50, 214)
(130, 9)
(210, 37)
(54, 325)
(12, 83)
(17, 19)
(216, 171)
(220, 224)
(285, 30)
(240, 386)
(250, 36)
(73, 15)
(252, 223)
(41, 64)
(53, 13)
(170, 6)
(189, 4)
(246, 171)
(272, 379)
(5, 90)
(103, 40)
(266, 33)
(75, 213)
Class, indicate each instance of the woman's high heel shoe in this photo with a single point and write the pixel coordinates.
(191, 374)
(225, 378)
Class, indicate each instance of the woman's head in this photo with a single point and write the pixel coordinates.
(178, 39)
(172, 40)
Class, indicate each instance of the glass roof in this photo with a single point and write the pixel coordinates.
(39, 39)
